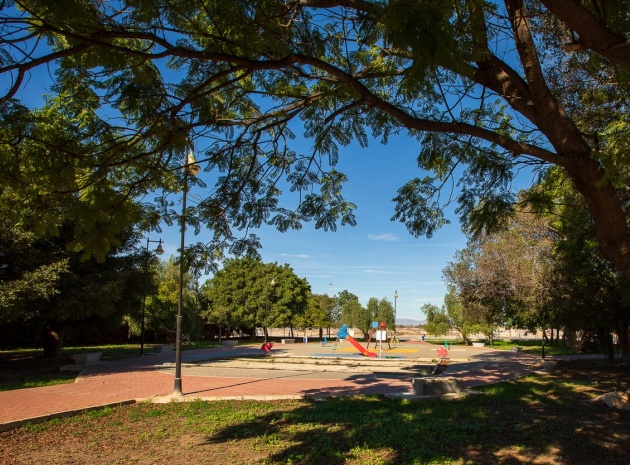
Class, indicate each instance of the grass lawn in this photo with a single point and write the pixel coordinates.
(533, 347)
(542, 419)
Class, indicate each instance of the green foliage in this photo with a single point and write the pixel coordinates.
(247, 293)
(162, 305)
(437, 320)
(487, 88)
(41, 280)
(317, 314)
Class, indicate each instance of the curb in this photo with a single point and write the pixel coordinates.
(4, 427)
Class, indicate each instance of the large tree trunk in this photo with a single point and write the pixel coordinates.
(53, 339)
(606, 208)
(623, 333)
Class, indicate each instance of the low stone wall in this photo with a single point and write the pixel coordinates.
(436, 386)
(87, 358)
(164, 349)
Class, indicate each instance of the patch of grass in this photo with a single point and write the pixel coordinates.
(530, 346)
(37, 380)
(534, 347)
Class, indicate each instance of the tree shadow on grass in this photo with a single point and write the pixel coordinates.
(533, 420)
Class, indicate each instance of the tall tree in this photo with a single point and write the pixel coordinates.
(469, 79)
(247, 293)
(353, 313)
(41, 281)
(508, 272)
(161, 306)
(322, 310)
(437, 320)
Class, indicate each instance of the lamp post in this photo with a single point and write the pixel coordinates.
(395, 297)
(191, 167)
(271, 284)
(158, 250)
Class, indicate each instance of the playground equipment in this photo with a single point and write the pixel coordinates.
(343, 334)
(381, 326)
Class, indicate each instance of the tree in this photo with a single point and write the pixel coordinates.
(437, 320)
(459, 320)
(51, 288)
(353, 313)
(161, 307)
(476, 82)
(505, 277)
(589, 298)
(28, 279)
(385, 313)
(247, 293)
(321, 312)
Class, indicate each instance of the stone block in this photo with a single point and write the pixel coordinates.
(288, 341)
(87, 358)
(164, 349)
(229, 343)
(436, 386)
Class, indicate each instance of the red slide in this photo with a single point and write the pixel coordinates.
(361, 349)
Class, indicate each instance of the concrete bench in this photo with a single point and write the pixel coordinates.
(517, 349)
(229, 343)
(163, 349)
(288, 341)
(87, 358)
(478, 344)
(436, 386)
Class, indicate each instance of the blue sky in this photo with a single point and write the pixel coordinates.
(375, 258)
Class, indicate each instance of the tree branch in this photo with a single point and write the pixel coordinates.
(593, 33)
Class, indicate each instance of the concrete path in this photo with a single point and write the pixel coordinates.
(245, 372)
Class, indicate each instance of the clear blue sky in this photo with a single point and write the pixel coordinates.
(376, 257)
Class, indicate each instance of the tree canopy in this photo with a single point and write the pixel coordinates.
(488, 88)
(247, 293)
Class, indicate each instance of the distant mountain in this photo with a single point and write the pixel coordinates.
(409, 322)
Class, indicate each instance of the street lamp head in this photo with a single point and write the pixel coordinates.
(159, 249)
(395, 294)
(191, 164)
(273, 282)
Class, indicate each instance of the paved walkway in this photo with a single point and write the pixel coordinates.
(234, 373)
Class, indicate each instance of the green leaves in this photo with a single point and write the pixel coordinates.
(416, 209)
(247, 293)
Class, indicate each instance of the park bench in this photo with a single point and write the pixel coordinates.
(87, 358)
(164, 349)
(172, 335)
(288, 341)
